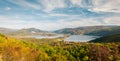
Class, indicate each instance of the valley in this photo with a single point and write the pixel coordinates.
(59, 30)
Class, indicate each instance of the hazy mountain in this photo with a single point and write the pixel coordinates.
(24, 32)
(85, 30)
(30, 31)
(90, 30)
(7, 30)
(109, 38)
(104, 32)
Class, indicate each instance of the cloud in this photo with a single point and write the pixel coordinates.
(7, 22)
(112, 20)
(70, 22)
(26, 4)
(92, 5)
(48, 25)
(8, 8)
(99, 5)
(49, 5)
(76, 2)
(9, 19)
(57, 14)
(106, 6)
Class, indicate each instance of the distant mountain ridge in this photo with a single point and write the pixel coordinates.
(85, 30)
(24, 32)
(90, 30)
(28, 31)
(7, 30)
(109, 38)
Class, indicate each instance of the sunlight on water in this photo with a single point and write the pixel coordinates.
(80, 38)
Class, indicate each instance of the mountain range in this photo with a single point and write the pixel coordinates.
(90, 30)
(7, 30)
(109, 38)
(24, 32)
(85, 30)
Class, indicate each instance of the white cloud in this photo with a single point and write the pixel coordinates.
(106, 6)
(49, 5)
(52, 4)
(54, 25)
(99, 5)
(26, 4)
(25, 21)
(77, 2)
(9, 19)
(70, 22)
(115, 20)
(8, 8)
(54, 14)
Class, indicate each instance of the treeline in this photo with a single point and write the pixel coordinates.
(109, 38)
(16, 50)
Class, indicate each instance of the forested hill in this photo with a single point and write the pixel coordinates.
(109, 38)
(24, 32)
(21, 50)
(28, 31)
(6, 30)
(91, 30)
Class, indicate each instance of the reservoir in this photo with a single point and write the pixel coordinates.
(72, 38)
(80, 38)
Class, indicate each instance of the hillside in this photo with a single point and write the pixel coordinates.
(28, 31)
(110, 38)
(90, 30)
(105, 32)
(7, 30)
(25, 32)
(19, 50)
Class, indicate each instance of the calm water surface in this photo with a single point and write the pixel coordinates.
(80, 38)
(74, 38)
(40, 37)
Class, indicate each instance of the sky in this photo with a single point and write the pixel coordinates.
(57, 14)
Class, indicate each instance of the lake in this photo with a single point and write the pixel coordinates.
(72, 38)
(40, 37)
(80, 38)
